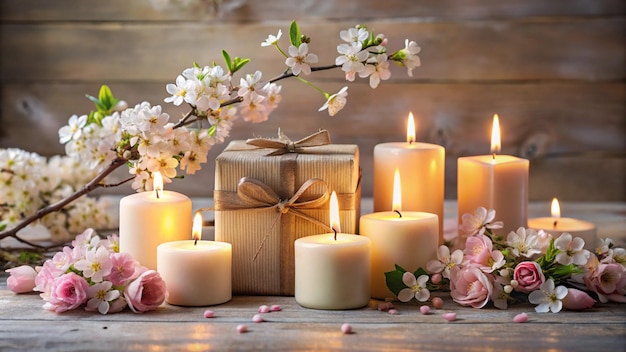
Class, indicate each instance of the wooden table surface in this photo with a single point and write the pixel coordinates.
(25, 325)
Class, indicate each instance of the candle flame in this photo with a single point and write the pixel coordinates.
(157, 183)
(495, 135)
(334, 213)
(410, 129)
(196, 232)
(397, 192)
(555, 209)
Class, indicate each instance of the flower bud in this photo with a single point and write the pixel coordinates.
(514, 283)
(505, 273)
(508, 288)
(577, 300)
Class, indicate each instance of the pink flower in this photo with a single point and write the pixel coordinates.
(478, 222)
(96, 264)
(470, 287)
(45, 278)
(529, 276)
(577, 300)
(146, 292)
(22, 279)
(608, 281)
(68, 292)
(478, 250)
(123, 268)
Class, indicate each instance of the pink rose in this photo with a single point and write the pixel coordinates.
(470, 287)
(577, 300)
(68, 292)
(529, 276)
(608, 281)
(22, 279)
(146, 292)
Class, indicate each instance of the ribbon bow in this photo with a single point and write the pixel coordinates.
(284, 145)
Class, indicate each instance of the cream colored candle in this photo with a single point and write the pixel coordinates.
(556, 225)
(196, 273)
(422, 166)
(409, 239)
(497, 182)
(146, 221)
(332, 271)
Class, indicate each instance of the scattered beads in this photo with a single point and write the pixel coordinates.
(346, 328)
(276, 308)
(392, 311)
(425, 309)
(257, 318)
(383, 307)
(437, 302)
(450, 316)
(242, 328)
(264, 309)
(208, 314)
(436, 278)
(521, 318)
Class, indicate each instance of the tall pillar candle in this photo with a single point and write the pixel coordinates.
(422, 166)
(147, 220)
(196, 273)
(332, 270)
(556, 225)
(497, 182)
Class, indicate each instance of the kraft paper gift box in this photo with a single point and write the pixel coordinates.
(268, 193)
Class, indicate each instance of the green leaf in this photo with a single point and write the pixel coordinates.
(394, 281)
(239, 63)
(3, 226)
(419, 272)
(294, 34)
(228, 61)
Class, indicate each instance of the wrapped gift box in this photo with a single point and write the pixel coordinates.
(268, 193)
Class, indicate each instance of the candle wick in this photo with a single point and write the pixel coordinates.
(157, 193)
(335, 231)
(195, 242)
(493, 156)
(399, 213)
(410, 140)
(555, 222)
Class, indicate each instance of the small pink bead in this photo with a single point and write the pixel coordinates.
(436, 278)
(437, 302)
(450, 316)
(521, 318)
(346, 328)
(392, 311)
(257, 318)
(425, 309)
(208, 314)
(383, 307)
(264, 309)
(275, 308)
(242, 328)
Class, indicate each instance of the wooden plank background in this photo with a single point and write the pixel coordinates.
(554, 72)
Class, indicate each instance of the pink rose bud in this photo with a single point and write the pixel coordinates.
(208, 314)
(436, 278)
(450, 316)
(22, 279)
(392, 311)
(425, 309)
(257, 318)
(577, 300)
(264, 309)
(521, 318)
(346, 328)
(275, 308)
(241, 328)
(437, 302)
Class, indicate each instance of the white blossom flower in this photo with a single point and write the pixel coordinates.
(73, 129)
(352, 59)
(416, 288)
(571, 250)
(478, 222)
(548, 297)
(96, 264)
(254, 109)
(248, 86)
(299, 59)
(445, 261)
(524, 242)
(335, 102)
(100, 295)
(354, 35)
(272, 92)
(178, 90)
(377, 68)
(272, 39)
(409, 57)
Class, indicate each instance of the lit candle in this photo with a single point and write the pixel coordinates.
(409, 239)
(196, 273)
(148, 219)
(495, 181)
(422, 167)
(332, 270)
(556, 225)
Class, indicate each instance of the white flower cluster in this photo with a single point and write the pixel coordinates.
(29, 181)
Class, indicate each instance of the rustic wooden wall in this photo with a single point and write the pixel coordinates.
(553, 71)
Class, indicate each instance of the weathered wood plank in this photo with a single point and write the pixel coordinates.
(250, 10)
(525, 49)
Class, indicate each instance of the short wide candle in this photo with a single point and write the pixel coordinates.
(332, 274)
(196, 274)
(556, 225)
(410, 241)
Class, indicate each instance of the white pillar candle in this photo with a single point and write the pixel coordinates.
(196, 273)
(497, 182)
(332, 271)
(556, 225)
(146, 221)
(422, 167)
(406, 238)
